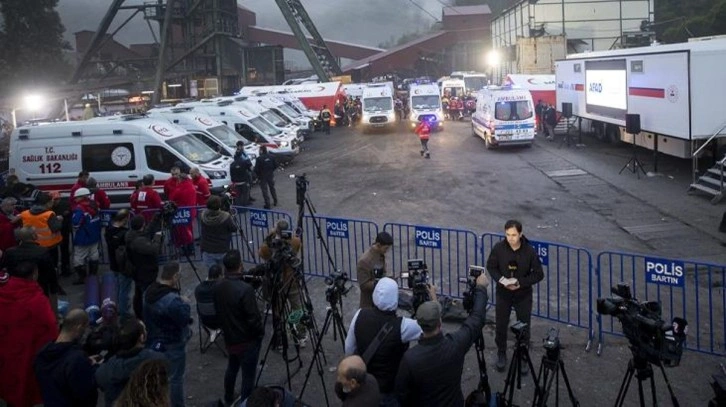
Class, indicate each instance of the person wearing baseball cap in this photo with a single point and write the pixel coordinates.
(430, 373)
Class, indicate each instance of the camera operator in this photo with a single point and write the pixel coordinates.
(274, 245)
(143, 253)
(216, 231)
(430, 373)
(514, 265)
(240, 172)
(381, 337)
(65, 373)
(371, 263)
(168, 316)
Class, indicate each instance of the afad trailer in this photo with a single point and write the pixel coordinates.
(677, 89)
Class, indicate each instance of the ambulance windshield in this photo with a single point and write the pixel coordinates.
(227, 136)
(426, 102)
(193, 149)
(514, 110)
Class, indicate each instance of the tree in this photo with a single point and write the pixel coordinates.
(677, 20)
(31, 40)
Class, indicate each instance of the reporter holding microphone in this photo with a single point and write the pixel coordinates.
(513, 263)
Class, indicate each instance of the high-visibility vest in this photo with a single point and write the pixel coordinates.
(39, 222)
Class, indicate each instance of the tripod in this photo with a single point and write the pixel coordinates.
(243, 237)
(514, 374)
(642, 369)
(167, 227)
(634, 165)
(549, 371)
(483, 392)
(333, 317)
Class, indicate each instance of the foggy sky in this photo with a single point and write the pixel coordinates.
(366, 22)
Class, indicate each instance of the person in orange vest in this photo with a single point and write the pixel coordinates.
(201, 185)
(47, 225)
(423, 130)
(98, 195)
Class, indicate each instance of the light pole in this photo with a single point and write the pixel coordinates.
(31, 102)
(493, 60)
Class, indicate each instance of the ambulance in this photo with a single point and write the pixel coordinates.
(377, 105)
(504, 116)
(117, 153)
(424, 103)
(209, 131)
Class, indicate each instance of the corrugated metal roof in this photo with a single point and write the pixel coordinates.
(372, 58)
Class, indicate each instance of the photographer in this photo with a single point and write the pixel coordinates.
(514, 265)
(430, 373)
(281, 243)
(143, 253)
(381, 337)
(371, 263)
(216, 231)
(168, 316)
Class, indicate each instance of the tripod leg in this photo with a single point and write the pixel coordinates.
(624, 386)
(674, 400)
(573, 400)
(316, 359)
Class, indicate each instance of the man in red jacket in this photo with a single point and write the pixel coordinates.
(172, 182)
(423, 129)
(146, 201)
(185, 198)
(27, 323)
(97, 194)
(201, 185)
(9, 221)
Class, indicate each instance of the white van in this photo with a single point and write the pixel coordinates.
(250, 126)
(291, 116)
(453, 88)
(504, 116)
(117, 153)
(424, 103)
(377, 105)
(272, 118)
(209, 131)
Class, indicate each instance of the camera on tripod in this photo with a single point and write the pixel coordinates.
(417, 279)
(301, 188)
(649, 336)
(336, 282)
(552, 344)
(468, 296)
(226, 196)
(520, 329)
(283, 253)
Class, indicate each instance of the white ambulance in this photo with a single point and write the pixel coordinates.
(452, 87)
(377, 105)
(504, 116)
(209, 131)
(424, 103)
(117, 153)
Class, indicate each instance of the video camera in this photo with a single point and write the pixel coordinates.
(520, 329)
(474, 273)
(649, 336)
(301, 188)
(336, 282)
(282, 251)
(225, 194)
(417, 279)
(552, 344)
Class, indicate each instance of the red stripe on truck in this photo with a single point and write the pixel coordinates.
(647, 92)
(579, 87)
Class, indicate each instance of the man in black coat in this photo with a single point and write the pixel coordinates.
(143, 253)
(65, 374)
(430, 373)
(235, 303)
(515, 266)
(265, 169)
(240, 172)
(29, 250)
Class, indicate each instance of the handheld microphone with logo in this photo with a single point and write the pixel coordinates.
(512, 267)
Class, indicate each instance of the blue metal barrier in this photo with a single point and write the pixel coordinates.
(256, 225)
(687, 289)
(565, 295)
(447, 253)
(346, 239)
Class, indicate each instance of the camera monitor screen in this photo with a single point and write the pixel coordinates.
(606, 88)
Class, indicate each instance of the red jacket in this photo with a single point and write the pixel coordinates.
(101, 199)
(27, 323)
(185, 196)
(7, 232)
(201, 185)
(143, 199)
(423, 130)
(169, 186)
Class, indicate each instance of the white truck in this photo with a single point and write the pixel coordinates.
(677, 90)
(378, 107)
(425, 104)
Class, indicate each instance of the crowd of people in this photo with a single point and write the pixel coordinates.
(144, 363)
